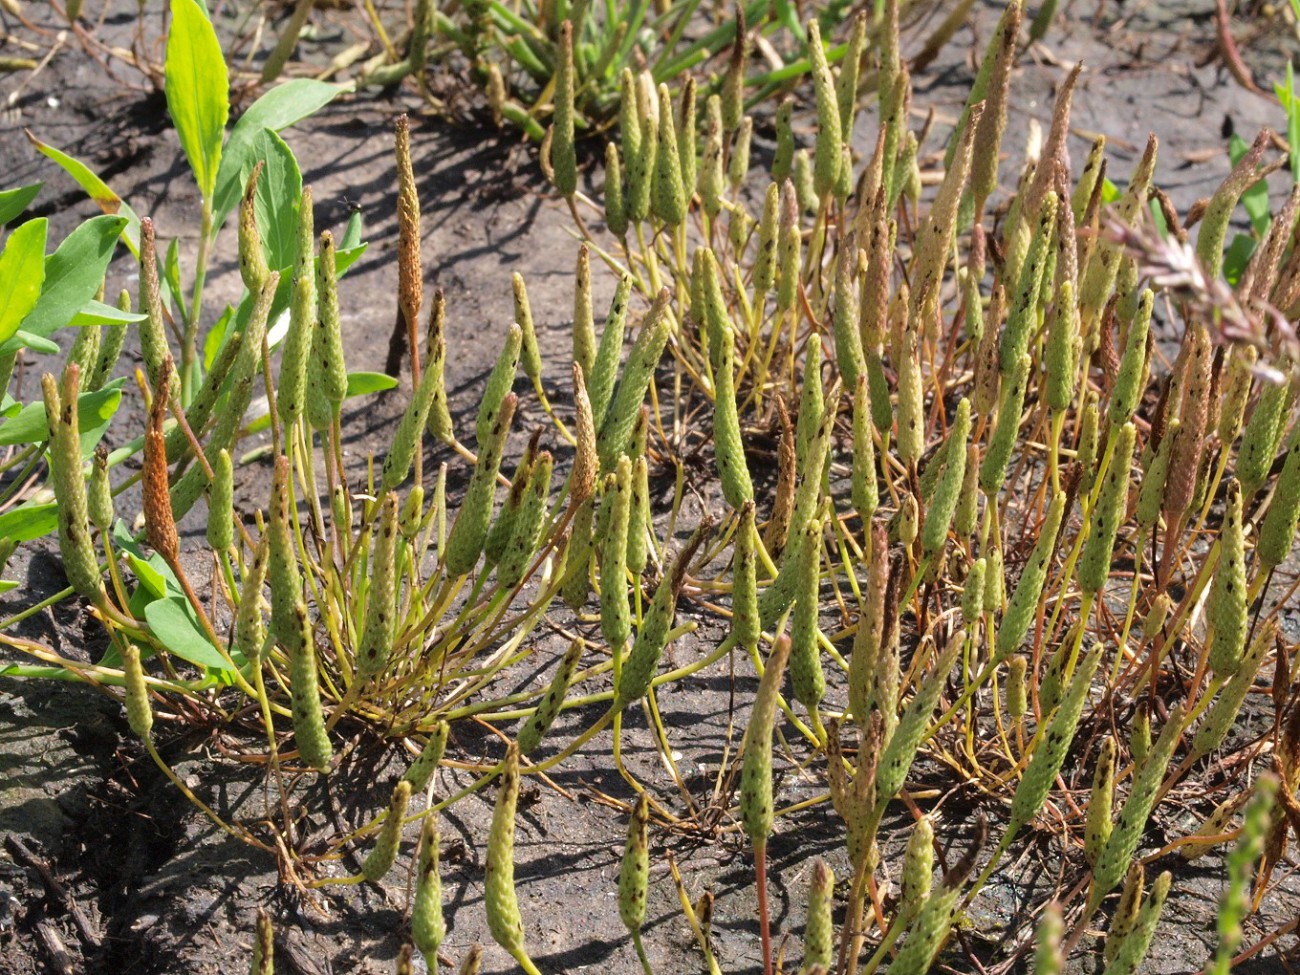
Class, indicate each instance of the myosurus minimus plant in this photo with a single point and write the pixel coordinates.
(1026, 535)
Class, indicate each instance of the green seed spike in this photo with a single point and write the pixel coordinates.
(865, 491)
(252, 258)
(1133, 947)
(564, 160)
(967, 513)
(530, 356)
(783, 156)
(1213, 230)
(381, 857)
(616, 213)
(738, 165)
(428, 927)
(972, 596)
(845, 320)
(999, 58)
(687, 160)
(805, 654)
(936, 236)
(1235, 905)
(604, 371)
(900, 751)
(1261, 437)
(469, 531)
(789, 249)
(1088, 178)
(634, 874)
(642, 361)
(85, 351)
(643, 659)
(1132, 820)
(744, 576)
(911, 394)
(1023, 608)
(640, 525)
(756, 809)
(153, 334)
(712, 179)
(286, 583)
(1278, 531)
(1223, 712)
(993, 470)
(1151, 494)
(733, 82)
(768, 235)
(426, 763)
(846, 85)
(1098, 278)
(1226, 608)
(308, 720)
(529, 524)
(548, 708)
(987, 376)
(1132, 377)
(668, 194)
(503, 528)
(874, 305)
(947, 491)
(629, 120)
(1126, 911)
(868, 643)
(1049, 957)
(615, 513)
(641, 167)
(76, 545)
(381, 620)
(221, 504)
(327, 379)
(728, 444)
(435, 358)
(1236, 390)
(498, 385)
(111, 342)
(1096, 831)
(819, 932)
(936, 917)
(829, 129)
(504, 920)
(1063, 349)
(250, 630)
(1110, 510)
(577, 559)
(918, 868)
(99, 497)
(1017, 686)
(139, 715)
(263, 946)
(419, 411)
(292, 392)
(1049, 755)
(712, 303)
(473, 961)
(1189, 444)
(1023, 316)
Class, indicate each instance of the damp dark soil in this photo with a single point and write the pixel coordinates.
(105, 867)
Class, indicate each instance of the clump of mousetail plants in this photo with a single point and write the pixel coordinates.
(1036, 487)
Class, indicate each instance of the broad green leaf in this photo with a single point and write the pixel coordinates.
(96, 189)
(279, 192)
(280, 108)
(1255, 199)
(1237, 256)
(174, 625)
(94, 413)
(29, 521)
(363, 383)
(198, 90)
(152, 581)
(26, 340)
(22, 271)
(97, 313)
(1109, 191)
(73, 274)
(351, 233)
(13, 202)
(1290, 99)
(171, 276)
(216, 337)
(6, 585)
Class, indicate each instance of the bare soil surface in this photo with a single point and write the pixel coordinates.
(108, 869)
